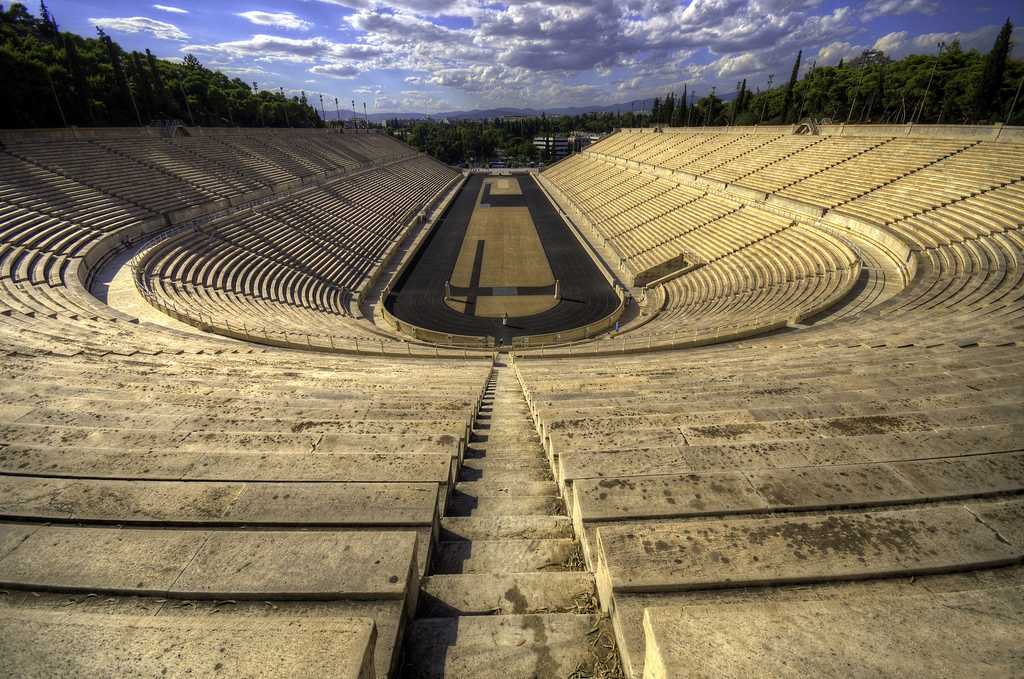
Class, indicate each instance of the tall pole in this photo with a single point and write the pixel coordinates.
(767, 92)
(259, 109)
(735, 105)
(366, 118)
(853, 104)
(355, 121)
(187, 107)
(689, 109)
(337, 109)
(920, 108)
(287, 120)
(135, 106)
(56, 99)
(1013, 106)
(323, 111)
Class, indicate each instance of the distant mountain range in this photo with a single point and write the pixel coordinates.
(479, 114)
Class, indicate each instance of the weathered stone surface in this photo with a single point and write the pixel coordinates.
(966, 475)
(654, 496)
(505, 527)
(967, 634)
(199, 502)
(839, 486)
(228, 466)
(494, 646)
(502, 556)
(212, 564)
(49, 644)
(772, 551)
(516, 593)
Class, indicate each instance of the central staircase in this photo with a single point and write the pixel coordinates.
(507, 595)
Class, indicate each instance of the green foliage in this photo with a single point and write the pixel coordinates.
(942, 87)
(478, 141)
(788, 101)
(987, 97)
(52, 78)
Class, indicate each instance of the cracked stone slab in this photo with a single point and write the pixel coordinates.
(653, 496)
(212, 564)
(171, 465)
(38, 644)
(1005, 518)
(676, 556)
(850, 639)
(199, 502)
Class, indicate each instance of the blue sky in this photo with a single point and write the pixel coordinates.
(437, 55)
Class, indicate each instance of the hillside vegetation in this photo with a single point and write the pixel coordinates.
(52, 78)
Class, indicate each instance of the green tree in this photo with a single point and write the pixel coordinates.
(986, 100)
(788, 101)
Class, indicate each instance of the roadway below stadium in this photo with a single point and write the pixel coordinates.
(501, 246)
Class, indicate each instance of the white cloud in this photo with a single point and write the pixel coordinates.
(343, 71)
(285, 20)
(832, 53)
(890, 43)
(245, 71)
(170, 9)
(158, 29)
(296, 50)
(877, 8)
(540, 53)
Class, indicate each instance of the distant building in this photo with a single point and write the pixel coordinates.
(552, 146)
(581, 140)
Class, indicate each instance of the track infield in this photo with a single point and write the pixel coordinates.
(501, 252)
(509, 274)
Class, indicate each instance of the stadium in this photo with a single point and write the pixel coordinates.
(717, 401)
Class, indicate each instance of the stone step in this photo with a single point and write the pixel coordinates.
(505, 475)
(488, 488)
(511, 464)
(38, 643)
(500, 646)
(681, 556)
(460, 504)
(520, 438)
(484, 452)
(505, 527)
(488, 594)
(209, 564)
(502, 556)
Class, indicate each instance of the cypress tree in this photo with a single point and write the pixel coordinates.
(987, 95)
(115, 61)
(47, 24)
(83, 95)
(140, 77)
(668, 108)
(788, 101)
(158, 83)
(679, 113)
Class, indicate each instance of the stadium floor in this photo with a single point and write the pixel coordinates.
(418, 297)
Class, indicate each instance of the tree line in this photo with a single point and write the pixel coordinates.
(952, 86)
(53, 78)
(477, 141)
